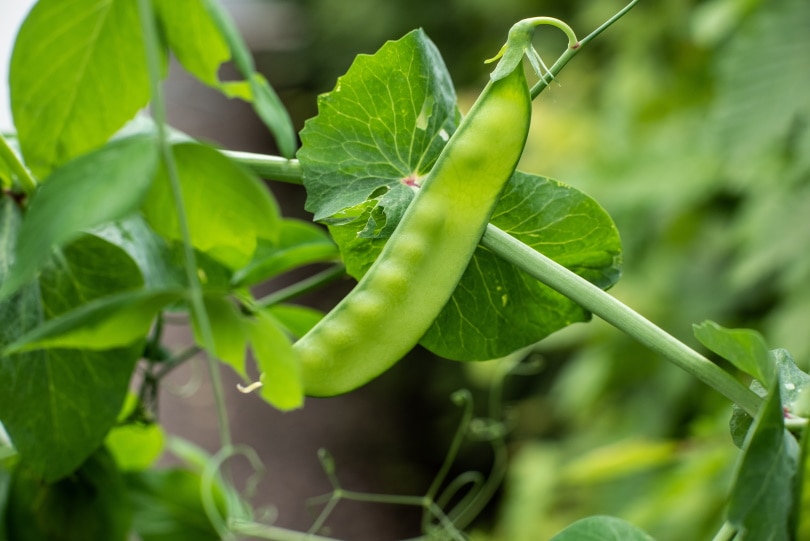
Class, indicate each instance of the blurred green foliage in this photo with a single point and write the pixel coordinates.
(689, 121)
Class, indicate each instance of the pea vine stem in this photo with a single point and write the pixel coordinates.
(574, 48)
(619, 315)
(158, 109)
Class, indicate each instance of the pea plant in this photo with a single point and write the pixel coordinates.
(112, 221)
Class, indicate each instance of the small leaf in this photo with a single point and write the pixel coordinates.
(193, 38)
(277, 362)
(228, 209)
(135, 446)
(301, 243)
(381, 128)
(113, 321)
(134, 443)
(761, 500)
(105, 185)
(600, 528)
(77, 74)
(230, 332)
(91, 505)
(745, 349)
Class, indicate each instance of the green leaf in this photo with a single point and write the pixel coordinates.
(78, 73)
(296, 320)
(135, 446)
(745, 349)
(228, 209)
(379, 130)
(600, 528)
(135, 443)
(277, 362)
(230, 332)
(105, 185)
(300, 244)
(193, 37)
(167, 506)
(91, 505)
(57, 405)
(761, 500)
(113, 321)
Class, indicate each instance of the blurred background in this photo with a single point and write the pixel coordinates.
(688, 121)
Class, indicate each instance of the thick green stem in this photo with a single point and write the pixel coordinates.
(619, 315)
(7, 155)
(158, 109)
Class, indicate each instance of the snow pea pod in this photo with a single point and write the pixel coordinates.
(402, 293)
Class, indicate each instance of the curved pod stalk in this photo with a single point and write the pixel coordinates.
(402, 293)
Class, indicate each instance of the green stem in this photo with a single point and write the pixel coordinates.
(270, 167)
(299, 288)
(619, 315)
(573, 49)
(462, 398)
(158, 109)
(7, 155)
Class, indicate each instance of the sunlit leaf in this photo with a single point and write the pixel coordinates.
(193, 38)
(229, 329)
(78, 73)
(277, 362)
(108, 322)
(228, 209)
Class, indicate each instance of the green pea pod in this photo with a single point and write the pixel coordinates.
(402, 293)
